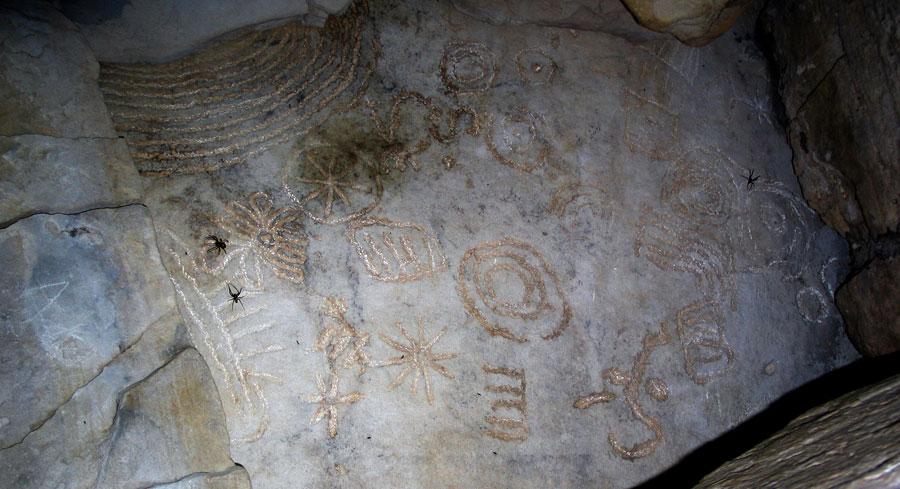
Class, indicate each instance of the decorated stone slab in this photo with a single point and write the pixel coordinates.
(416, 250)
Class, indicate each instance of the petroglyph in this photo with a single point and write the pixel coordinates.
(413, 106)
(418, 357)
(239, 97)
(631, 380)
(706, 353)
(671, 247)
(506, 428)
(523, 137)
(343, 347)
(329, 397)
(262, 235)
(330, 185)
(396, 251)
(582, 208)
(467, 67)
(651, 129)
(216, 332)
(535, 67)
(340, 342)
(514, 289)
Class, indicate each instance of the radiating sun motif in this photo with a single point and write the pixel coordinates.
(329, 398)
(338, 186)
(419, 356)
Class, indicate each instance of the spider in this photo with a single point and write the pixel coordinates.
(235, 296)
(751, 180)
(218, 244)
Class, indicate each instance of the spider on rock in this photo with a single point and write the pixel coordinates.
(751, 180)
(235, 296)
(217, 244)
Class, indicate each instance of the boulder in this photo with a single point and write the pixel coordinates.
(693, 22)
(869, 304)
(848, 442)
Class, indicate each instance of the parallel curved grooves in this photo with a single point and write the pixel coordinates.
(240, 96)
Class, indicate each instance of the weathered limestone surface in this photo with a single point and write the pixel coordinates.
(77, 291)
(167, 426)
(234, 478)
(58, 149)
(159, 30)
(839, 77)
(419, 250)
(849, 442)
(693, 22)
(870, 305)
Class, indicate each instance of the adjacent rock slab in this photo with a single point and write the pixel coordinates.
(693, 22)
(838, 72)
(870, 303)
(160, 30)
(167, 426)
(76, 292)
(234, 478)
(848, 442)
(68, 450)
(48, 76)
(61, 175)
(58, 150)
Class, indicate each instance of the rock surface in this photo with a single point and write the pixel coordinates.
(848, 442)
(460, 257)
(58, 149)
(838, 76)
(168, 426)
(78, 290)
(161, 30)
(411, 254)
(693, 22)
(870, 306)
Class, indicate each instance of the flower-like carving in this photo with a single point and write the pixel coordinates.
(332, 186)
(270, 236)
(329, 398)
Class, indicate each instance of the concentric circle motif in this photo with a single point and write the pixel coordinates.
(535, 67)
(468, 67)
(519, 139)
(510, 289)
(332, 186)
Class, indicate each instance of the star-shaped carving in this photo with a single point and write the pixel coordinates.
(329, 398)
(418, 356)
(333, 180)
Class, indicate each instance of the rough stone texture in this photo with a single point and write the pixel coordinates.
(159, 30)
(167, 426)
(70, 447)
(234, 478)
(693, 22)
(608, 16)
(870, 306)
(77, 291)
(48, 76)
(49, 174)
(849, 442)
(58, 149)
(467, 275)
(839, 77)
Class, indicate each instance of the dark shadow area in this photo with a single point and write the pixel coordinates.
(694, 466)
